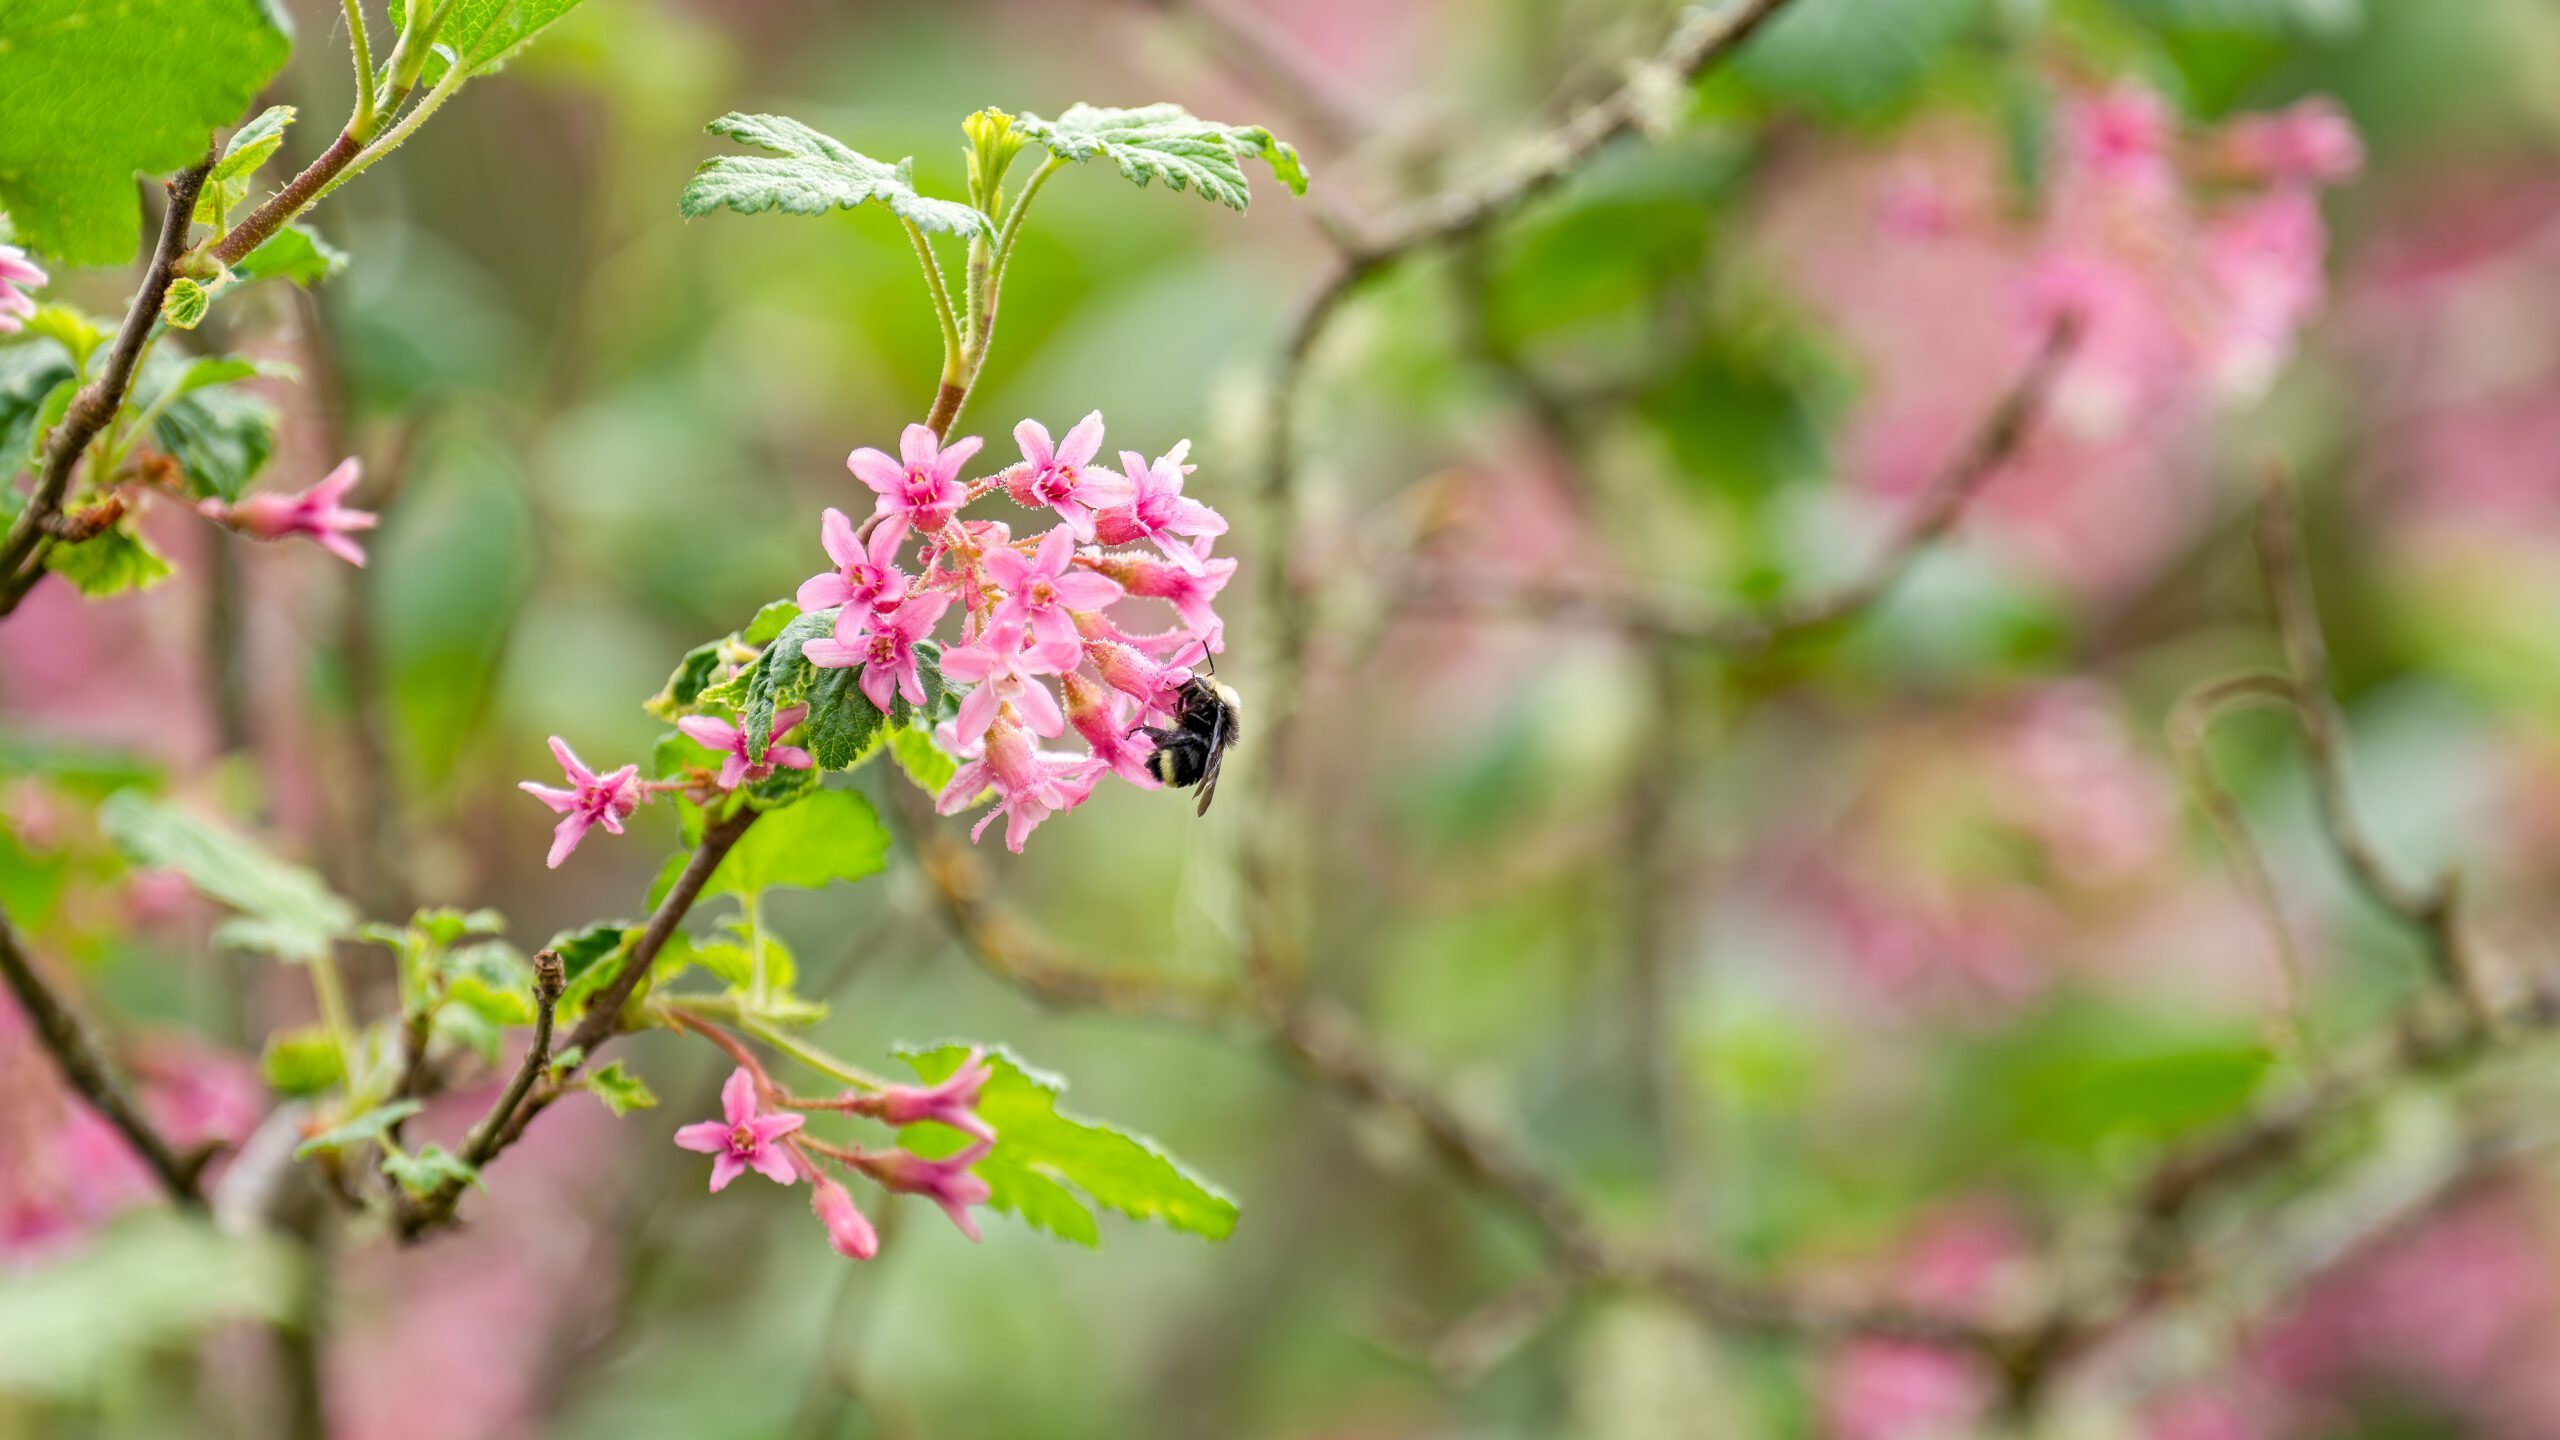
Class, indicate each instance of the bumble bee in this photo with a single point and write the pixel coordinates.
(1207, 718)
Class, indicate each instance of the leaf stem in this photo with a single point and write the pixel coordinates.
(363, 118)
(941, 291)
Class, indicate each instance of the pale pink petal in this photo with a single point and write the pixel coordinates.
(1010, 569)
(835, 533)
(710, 731)
(1084, 590)
(1083, 442)
(823, 592)
(708, 1137)
(570, 762)
(829, 654)
(1104, 489)
(1040, 710)
(725, 1167)
(879, 684)
(916, 446)
(561, 800)
(733, 770)
(565, 837)
(977, 710)
(738, 1096)
(1033, 437)
(790, 757)
(954, 455)
(876, 470)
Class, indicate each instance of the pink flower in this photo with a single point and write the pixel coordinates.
(2122, 138)
(743, 1139)
(315, 512)
(18, 275)
(2265, 258)
(1192, 590)
(1125, 669)
(863, 579)
(946, 1183)
(954, 1102)
(2311, 142)
(1003, 667)
(1056, 476)
(848, 1229)
(1902, 1390)
(1103, 720)
(1157, 509)
(605, 800)
(1030, 784)
(922, 487)
(884, 645)
(1042, 590)
(736, 769)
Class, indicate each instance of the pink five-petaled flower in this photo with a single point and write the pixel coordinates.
(884, 645)
(18, 275)
(1157, 510)
(863, 580)
(315, 512)
(946, 1182)
(592, 799)
(730, 740)
(1103, 720)
(1056, 475)
(1004, 667)
(1031, 785)
(743, 1139)
(1043, 590)
(953, 1102)
(848, 1229)
(922, 487)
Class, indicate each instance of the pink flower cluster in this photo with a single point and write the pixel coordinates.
(1033, 611)
(18, 275)
(773, 1143)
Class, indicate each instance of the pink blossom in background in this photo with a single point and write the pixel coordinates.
(921, 488)
(590, 800)
(1063, 476)
(2068, 773)
(744, 1138)
(315, 513)
(730, 742)
(18, 275)
(2311, 142)
(1959, 1263)
(865, 578)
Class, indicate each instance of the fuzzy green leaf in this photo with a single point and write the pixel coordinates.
(621, 1091)
(1168, 143)
(485, 34)
(429, 1169)
(291, 913)
(295, 253)
(70, 329)
(115, 561)
(1040, 1147)
(830, 835)
(219, 434)
(250, 147)
(781, 676)
(91, 93)
(844, 726)
(812, 173)
(302, 1062)
(30, 375)
(184, 304)
(370, 1126)
(925, 762)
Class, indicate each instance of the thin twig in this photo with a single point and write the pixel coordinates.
(549, 979)
(98, 401)
(85, 1071)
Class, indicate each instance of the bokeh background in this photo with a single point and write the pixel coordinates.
(1892, 960)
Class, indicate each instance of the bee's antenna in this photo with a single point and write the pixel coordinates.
(1209, 660)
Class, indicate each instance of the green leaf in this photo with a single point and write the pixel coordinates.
(581, 950)
(366, 1128)
(1855, 55)
(112, 562)
(486, 33)
(2320, 19)
(621, 1091)
(184, 304)
(770, 622)
(429, 1169)
(30, 376)
(780, 676)
(70, 329)
(220, 435)
(925, 762)
(91, 93)
(844, 726)
(302, 1062)
(810, 174)
(251, 146)
(1040, 1148)
(1166, 142)
(295, 915)
(831, 835)
(693, 675)
(295, 253)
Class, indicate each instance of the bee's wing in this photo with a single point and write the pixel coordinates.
(1209, 778)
